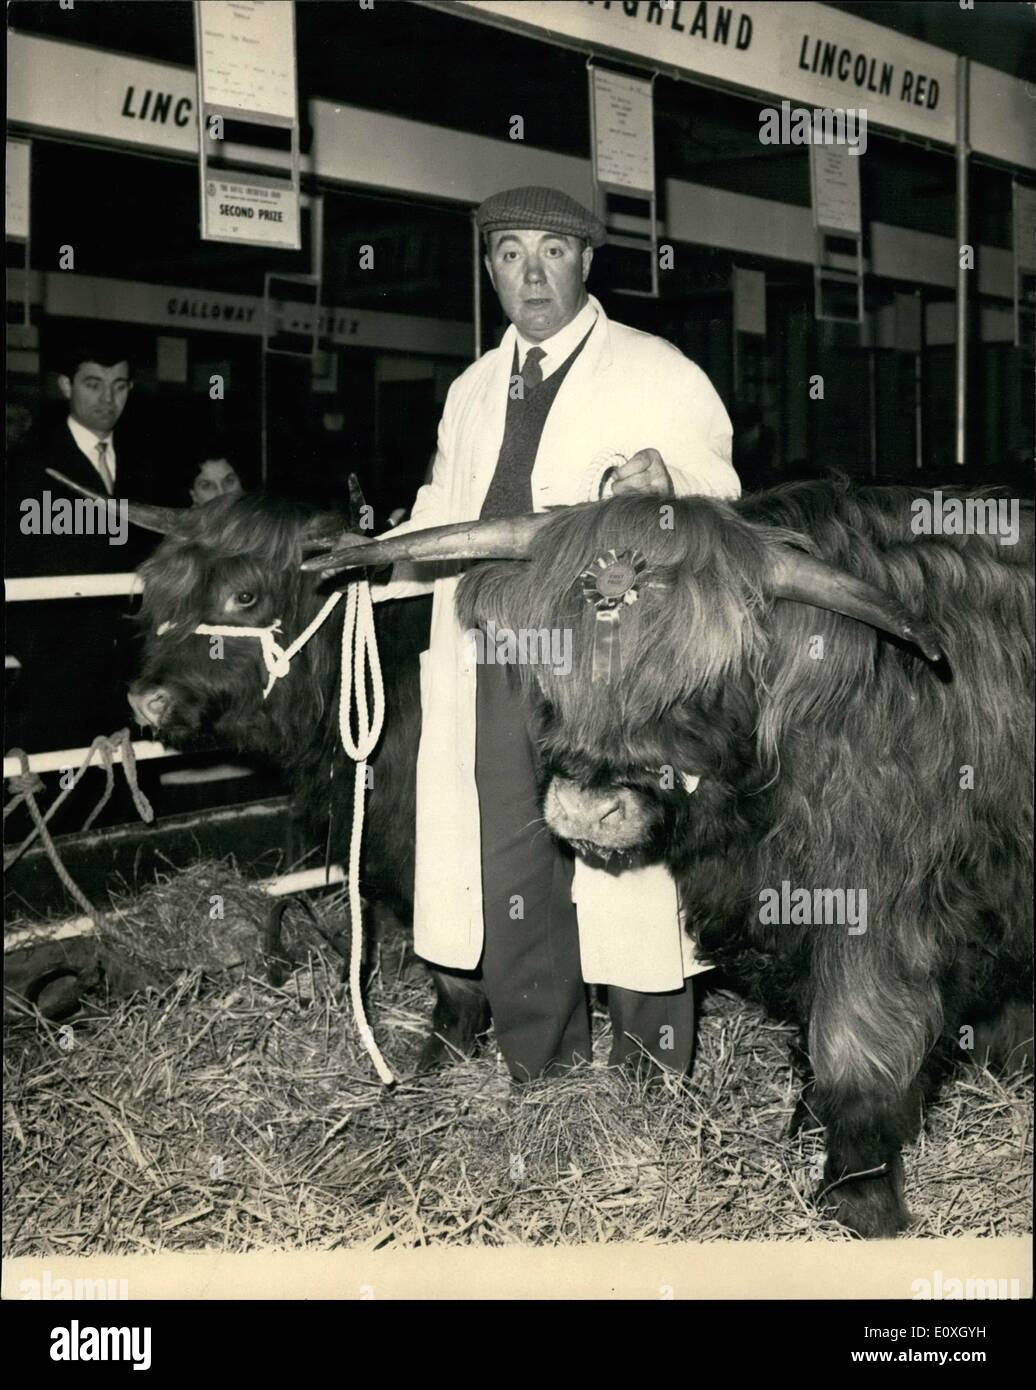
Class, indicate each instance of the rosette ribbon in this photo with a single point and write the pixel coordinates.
(609, 584)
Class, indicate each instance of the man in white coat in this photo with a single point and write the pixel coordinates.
(535, 423)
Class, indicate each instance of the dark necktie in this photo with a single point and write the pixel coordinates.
(532, 372)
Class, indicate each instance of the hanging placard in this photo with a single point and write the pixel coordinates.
(835, 181)
(1024, 226)
(247, 73)
(246, 57)
(907, 322)
(750, 301)
(622, 149)
(19, 163)
(18, 160)
(624, 139)
(243, 207)
(834, 178)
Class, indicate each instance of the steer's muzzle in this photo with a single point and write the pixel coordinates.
(601, 821)
(150, 706)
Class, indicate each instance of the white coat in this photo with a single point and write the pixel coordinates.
(626, 391)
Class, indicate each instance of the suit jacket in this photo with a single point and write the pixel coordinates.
(29, 554)
(626, 391)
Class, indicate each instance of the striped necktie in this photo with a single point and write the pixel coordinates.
(103, 467)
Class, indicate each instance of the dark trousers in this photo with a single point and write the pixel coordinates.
(530, 962)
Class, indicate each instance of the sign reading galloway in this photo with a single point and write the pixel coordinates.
(806, 52)
(170, 306)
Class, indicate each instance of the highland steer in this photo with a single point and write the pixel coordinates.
(796, 689)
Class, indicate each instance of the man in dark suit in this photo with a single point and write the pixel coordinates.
(95, 378)
(74, 655)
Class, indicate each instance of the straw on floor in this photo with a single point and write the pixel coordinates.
(211, 1109)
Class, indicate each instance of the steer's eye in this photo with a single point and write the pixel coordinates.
(244, 598)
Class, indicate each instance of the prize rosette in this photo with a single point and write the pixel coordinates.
(609, 585)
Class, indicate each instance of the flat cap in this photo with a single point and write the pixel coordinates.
(540, 210)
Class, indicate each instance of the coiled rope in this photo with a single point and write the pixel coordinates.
(26, 785)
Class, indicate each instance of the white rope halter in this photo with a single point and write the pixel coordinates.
(359, 661)
(276, 658)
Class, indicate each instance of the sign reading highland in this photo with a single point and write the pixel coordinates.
(806, 52)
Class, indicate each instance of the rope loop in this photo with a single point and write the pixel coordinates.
(26, 785)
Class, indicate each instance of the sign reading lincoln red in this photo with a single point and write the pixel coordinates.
(809, 53)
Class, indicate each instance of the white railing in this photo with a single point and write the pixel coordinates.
(61, 759)
(300, 881)
(72, 586)
(35, 588)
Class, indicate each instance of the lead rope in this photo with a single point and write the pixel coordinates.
(360, 660)
(26, 785)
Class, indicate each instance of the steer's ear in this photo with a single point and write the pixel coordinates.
(325, 531)
(322, 530)
(356, 502)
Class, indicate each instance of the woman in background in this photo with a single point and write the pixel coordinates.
(215, 477)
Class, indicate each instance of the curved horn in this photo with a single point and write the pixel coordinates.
(805, 579)
(167, 521)
(503, 538)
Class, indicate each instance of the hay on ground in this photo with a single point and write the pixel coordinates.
(216, 1110)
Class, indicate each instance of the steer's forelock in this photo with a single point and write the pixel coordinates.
(230, 541)
(693, 627)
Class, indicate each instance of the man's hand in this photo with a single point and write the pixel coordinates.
(644, 472)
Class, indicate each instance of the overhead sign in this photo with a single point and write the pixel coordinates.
(104, 96)
(251, 210)
(17, 201)
(246, 57)
(110, 96)
(624, 139)
(806, 52)
(835, 182)
(172, 306)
